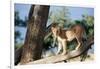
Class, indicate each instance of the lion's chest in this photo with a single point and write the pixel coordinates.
(60, 39)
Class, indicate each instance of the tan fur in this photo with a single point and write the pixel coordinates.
(64, 36)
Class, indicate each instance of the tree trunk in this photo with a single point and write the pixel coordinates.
(32, 48)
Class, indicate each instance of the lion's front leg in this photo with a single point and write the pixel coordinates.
(64, 44)
(59, 47)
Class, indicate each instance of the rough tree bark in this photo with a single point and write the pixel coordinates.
(32, 47)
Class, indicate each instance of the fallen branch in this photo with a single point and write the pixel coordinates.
(70, 55)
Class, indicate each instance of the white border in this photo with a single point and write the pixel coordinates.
(12, 35)
(75, 3)
(4, 34)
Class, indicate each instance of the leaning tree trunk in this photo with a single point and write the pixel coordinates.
(32, 48)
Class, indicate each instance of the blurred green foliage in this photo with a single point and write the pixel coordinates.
(18, 22)
(62, 17)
